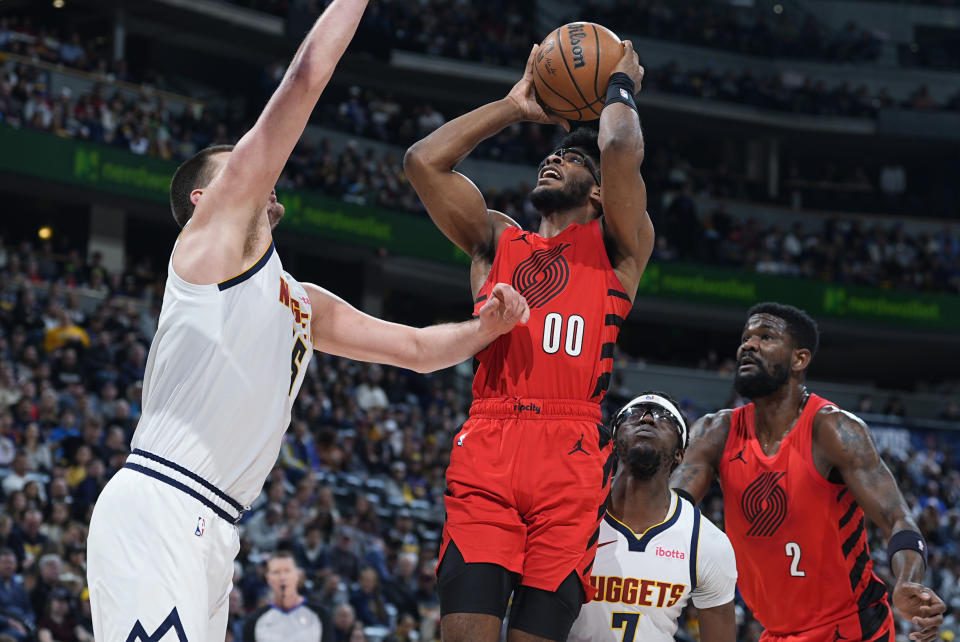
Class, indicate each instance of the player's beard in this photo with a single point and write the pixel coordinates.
(761, 383)
(645, 461)
(572, 194)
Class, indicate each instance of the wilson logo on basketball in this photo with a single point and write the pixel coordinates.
(542, 276)
(764, 504)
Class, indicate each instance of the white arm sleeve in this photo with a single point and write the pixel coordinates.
(716, 568)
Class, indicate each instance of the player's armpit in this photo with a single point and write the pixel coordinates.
(708, 437)
(718, 624)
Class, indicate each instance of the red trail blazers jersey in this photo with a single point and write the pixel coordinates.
(577, 305)
(801, 544)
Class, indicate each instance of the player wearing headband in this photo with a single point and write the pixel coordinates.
(655, 551)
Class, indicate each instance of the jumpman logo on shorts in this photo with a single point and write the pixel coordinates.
(579, 447)
(837, 636)
(739, 456)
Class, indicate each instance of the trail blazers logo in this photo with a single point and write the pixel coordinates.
(764, 504)
(542, 276)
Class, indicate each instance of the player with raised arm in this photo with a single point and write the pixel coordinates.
(799, 477)
(235, 335)
(528, 474)
(655, 553)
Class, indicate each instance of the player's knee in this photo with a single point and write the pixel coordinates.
(548, 614)
(472, 588)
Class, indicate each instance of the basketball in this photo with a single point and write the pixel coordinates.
(572, 68)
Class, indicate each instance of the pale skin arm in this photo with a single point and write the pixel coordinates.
(340, 329)
(240, 191)
(700, 465)
(718, 624)
(846, 443)
(624, 194)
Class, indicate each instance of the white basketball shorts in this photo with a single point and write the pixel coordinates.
(160, 557)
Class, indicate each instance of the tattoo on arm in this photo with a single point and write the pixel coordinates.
(850, 448)
(700, 465)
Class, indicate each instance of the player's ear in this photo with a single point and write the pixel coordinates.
(801, 359)
(195, 196)
(596, 199)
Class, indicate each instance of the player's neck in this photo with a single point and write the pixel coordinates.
(552, 223)
(288, 602)
(638, 503)
(775, 414)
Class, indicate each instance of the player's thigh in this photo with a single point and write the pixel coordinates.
(482, 517)
(472, 588)
(569, 489)
(146, 561)
(549, 615)
(220, 577)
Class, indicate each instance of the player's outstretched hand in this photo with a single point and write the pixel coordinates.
(921, 607)
(524, 94)
(629, 64)
(504, 309)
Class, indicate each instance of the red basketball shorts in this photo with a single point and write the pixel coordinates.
(848, 628)
(526, 487)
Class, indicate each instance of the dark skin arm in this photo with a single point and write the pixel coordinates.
(842, 442)
(718, 624)
(623, 193)
(452, 200)
(701, 461)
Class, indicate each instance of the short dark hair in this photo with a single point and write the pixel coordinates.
(283, 554)
(801, 326)
(586, 139)
(195, 172)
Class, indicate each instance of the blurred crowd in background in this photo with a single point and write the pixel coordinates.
(358, 488)
(357, 492)
(844, 250)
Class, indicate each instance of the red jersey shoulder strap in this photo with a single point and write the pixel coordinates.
(803, 431)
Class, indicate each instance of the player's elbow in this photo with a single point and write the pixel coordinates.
(620, 145)
(416, 160)
(306, 75)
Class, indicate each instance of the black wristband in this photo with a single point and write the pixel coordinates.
(620, 90)
(906, 540)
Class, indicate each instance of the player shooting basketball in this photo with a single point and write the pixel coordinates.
(528, 474)
(235, 336)
(799, 477)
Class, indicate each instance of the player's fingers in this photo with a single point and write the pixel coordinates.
(927, 621)
(930, 609)
(628, 48)
(530, 61)
(926, 634)
(526, 311)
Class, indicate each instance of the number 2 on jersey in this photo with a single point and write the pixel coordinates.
(627, 622)
(553, 329)
(793, 551)
(296, 358)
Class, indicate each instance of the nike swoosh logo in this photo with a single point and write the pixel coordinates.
(613, 541)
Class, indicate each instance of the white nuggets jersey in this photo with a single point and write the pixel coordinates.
(224, 369)
(644, 581)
